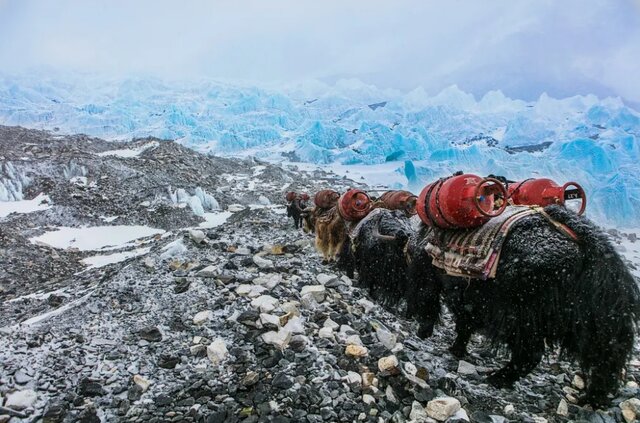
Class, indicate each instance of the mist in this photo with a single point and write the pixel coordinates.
(524, 48)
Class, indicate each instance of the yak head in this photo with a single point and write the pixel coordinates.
(386, 229)
(308, 220)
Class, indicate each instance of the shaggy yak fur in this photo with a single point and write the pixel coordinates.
(549, 290)
(309, 220)
(331, 232)
(378, 250)
(332, 238)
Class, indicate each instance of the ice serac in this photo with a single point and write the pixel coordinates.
(12, 182)
(583, 138)
(199, 202)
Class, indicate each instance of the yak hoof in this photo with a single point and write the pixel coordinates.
(425, 331)
(594, 399)
(458, 351)
(501, 379)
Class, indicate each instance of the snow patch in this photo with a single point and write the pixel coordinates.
(103, 260)
(214, 219)
(95, 237)
(130, 153)
(40, 203)
(36, 296)
(109, 219)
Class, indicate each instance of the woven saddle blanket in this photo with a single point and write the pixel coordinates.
(474, 253)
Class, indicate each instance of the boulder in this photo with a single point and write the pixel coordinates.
(442, 408)
(217, 351)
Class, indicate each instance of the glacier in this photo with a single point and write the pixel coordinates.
(592, 141)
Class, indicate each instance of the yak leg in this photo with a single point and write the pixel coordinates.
(603, 379)
(525, 356)
(464, 330)
(335, 240)
(346, 260)
(423, 296)
(604, 368)
(321, 245)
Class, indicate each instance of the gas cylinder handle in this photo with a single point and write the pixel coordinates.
(581, 192)
(497, 188)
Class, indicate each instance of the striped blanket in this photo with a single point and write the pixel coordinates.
(475, 253)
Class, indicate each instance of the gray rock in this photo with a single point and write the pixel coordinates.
(262, 262)
(20, 400)
(202, 317)
(282, 381)
(324, 278)
(21, 377)
(208, 272)
(317, 292)
(150, 334)
(90, 388)
(466, 368)
(196, 235)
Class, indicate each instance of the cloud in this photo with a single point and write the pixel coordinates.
(523, 47)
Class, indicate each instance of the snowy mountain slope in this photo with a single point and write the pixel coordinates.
(583, 138)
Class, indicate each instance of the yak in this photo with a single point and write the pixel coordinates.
(374, 269)
(329, 226)
(549, 290)
(296, 208)
(333, 224)
(331, 233)
(378, 250)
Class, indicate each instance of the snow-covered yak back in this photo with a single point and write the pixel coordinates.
(549, 289)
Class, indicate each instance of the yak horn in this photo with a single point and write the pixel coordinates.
(377, 234)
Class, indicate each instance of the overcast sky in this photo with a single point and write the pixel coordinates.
(563, 47)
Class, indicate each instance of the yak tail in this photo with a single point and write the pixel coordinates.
(608, 308)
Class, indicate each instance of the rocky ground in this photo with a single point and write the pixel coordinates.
(218, 320)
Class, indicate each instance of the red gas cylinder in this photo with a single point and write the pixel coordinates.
(399, 200)
(326, 198)
(291, 195)
(354, 205)
(461, 201)
(543, 192)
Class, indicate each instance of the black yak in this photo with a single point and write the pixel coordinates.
(549, 290)
(296, 207)
(378, 249)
